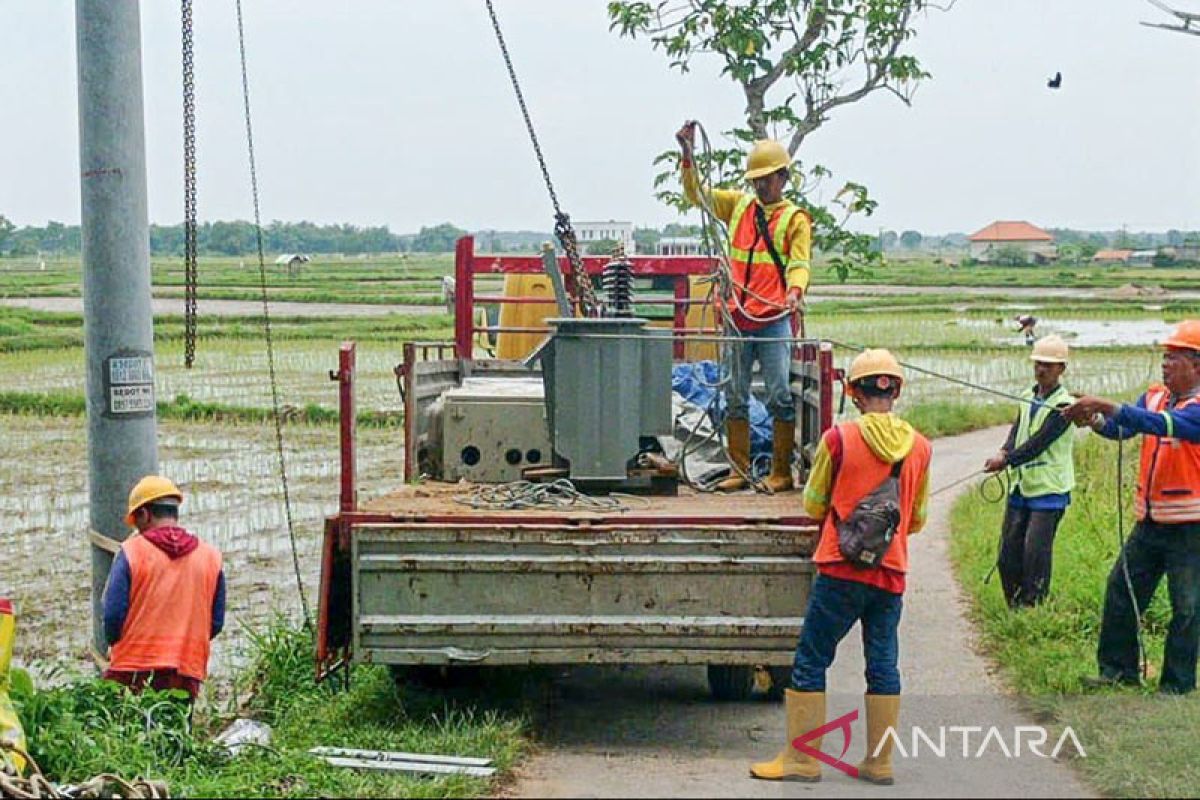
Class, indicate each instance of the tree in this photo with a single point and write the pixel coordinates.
(1009, 255)
(646, 240)
(6, 230)
(910, 240)
(438, 239)
(819, 54)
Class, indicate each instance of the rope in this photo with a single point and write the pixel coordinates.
(562, 221)
(1143, 662)
(262, 275)
(559, 494)
(189, 192)
(36, 785)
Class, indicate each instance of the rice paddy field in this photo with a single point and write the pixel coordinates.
(229, 469)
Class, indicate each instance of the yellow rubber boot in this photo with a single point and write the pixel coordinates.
(783, 443)
(738, 433)
(805, 712)
(883, 712)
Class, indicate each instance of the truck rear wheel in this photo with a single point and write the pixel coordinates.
(730, 682)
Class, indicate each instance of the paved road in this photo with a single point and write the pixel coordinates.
(167, 306)
(655, 733)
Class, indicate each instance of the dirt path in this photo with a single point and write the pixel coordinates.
(168, 306)
(655, 733)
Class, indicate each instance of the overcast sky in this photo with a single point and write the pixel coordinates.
(399, 112)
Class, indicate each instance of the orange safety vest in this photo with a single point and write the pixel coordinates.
(759, 286)
(1169, 480)
(859, 473)
(170, 610)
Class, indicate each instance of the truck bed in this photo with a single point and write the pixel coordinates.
(437, 500)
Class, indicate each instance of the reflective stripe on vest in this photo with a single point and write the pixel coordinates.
(169, 623)
(859, 473)
(1169, 479)
(757, 283)
(1053, 471)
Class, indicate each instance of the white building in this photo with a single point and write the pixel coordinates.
(680, 246)
(589, 232)
(1036, 244)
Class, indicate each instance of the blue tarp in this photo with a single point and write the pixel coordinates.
(696, 383)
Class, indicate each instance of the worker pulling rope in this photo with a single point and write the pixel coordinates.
(560, 494)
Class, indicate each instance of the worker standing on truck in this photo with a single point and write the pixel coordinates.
(1166, 536)
(857, 465)
(165, 596)
(770, 241)
(1040, 450)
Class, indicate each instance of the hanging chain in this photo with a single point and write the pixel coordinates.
(189, 192)
(262, 275)
(562, 221)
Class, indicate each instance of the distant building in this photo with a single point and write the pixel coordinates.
(1035, 243)
(1112, 256)
(680, 246)
(1142, 258)
(622, 232)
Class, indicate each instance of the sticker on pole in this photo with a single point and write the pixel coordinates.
(129, 384)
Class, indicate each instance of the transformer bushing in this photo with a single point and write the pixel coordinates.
(608, 383)
(617, 280)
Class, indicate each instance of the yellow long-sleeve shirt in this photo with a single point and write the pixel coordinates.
(723, 202)
(890, 438)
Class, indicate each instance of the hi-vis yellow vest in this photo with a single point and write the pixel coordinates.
(759, 286)
(1052, 472)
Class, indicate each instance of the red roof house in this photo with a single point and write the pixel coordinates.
(1035, 243)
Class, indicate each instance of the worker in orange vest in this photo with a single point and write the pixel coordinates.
(1166, 536)
(852, 470)
(770, 242)
(165, 596)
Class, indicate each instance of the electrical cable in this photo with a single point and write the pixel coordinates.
(1143, 664)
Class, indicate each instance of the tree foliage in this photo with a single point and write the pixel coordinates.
(796, 61)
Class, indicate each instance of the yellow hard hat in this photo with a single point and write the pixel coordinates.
(1050, 350)
(767, 156)
(874, 362)
(149, 489)
(1186, 335)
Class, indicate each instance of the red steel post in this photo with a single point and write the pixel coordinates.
(464, 296)
(346, 415)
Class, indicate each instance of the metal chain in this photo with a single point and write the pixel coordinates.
(262, 274)
(562, 221)
(189, 191)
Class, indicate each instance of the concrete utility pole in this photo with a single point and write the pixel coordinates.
(118, 326)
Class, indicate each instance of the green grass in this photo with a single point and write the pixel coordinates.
(1137, 743)
(936, 418)
(86, 727)
(184, 408)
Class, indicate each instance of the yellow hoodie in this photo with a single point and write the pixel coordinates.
(890, 438)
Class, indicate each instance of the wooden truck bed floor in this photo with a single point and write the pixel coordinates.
(436, 499)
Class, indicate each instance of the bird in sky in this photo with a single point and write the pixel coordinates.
(1056, 81)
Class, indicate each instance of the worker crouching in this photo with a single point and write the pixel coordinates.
(876, 467)
(1040, 453)
(769, 256)
(165, 596)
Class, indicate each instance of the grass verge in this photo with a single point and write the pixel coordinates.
(1138, 743)
(87, 727)
(947, 418)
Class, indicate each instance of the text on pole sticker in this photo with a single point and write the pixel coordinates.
(131, 369)
(135, 399)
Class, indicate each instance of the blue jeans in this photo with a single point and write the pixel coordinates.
(833, 607)
(774, 359)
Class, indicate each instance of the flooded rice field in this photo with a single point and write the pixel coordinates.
(234, 500)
